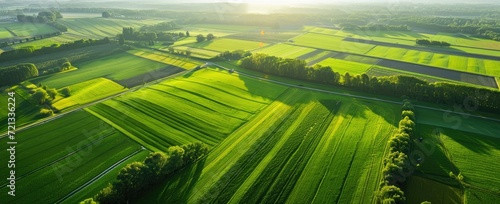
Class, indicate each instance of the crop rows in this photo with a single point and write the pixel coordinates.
(292, 151)
(64, 155)
(460, 63)
(164, 105)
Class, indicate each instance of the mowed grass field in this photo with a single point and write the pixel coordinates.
(206, 106)
(302, 148)
(115, 67)
(88, 91)
(24, 29)
(343, 66)
(285, 50)
(61, 155)
(467, 64)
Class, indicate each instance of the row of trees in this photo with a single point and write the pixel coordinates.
(17, 73)
(432, 42)
(137, 177)
(475, 26)
(439, 92)
(375, 27)
(42, 17)
(201, 38)
(160, 27)
(29, 51)
(396, 163)
(234, 55)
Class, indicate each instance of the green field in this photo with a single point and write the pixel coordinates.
(302, 148)
(195, 52)
(165, 58)
(165, 106)
(88, 91)
(115, 67)
(419, 190)
(467, 64)
(24, 29)
(343, 66)
(227, 44)
(103, 182)
(65, 153)
(328, 42)
(102, 27)
(285, 50)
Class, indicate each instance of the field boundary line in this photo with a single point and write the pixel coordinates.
(100, 175)
(119, 128)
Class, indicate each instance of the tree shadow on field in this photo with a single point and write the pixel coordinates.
(475, 142)
(175, 189)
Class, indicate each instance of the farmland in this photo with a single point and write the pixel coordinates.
(88, 91)
(115, 67)
(285, 146)
(10, 30)
(73, 153)
(285, 50)
(343, 66)
(276, 127)
(225, 44)
(173, 126)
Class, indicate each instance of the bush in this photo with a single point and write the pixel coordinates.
(40, 96)
(66, 91)
(46, 112)
(65, 66)
(52, 93)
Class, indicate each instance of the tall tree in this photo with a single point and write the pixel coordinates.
(200, 38)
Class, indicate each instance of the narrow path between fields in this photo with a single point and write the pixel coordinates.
(103, 173)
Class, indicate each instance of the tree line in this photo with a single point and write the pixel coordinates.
(17, 73)
(439, 92)
(432, 42)
(42, 17)
(479, 27)
(374, 27)
(29, 51)
(397, 163)
(138, 177)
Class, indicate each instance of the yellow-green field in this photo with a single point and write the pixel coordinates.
(89, 91)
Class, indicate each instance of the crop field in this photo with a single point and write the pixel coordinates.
(232, 28)
(467, 64)
(9, 30)
(302, 148)
(343, 66)
(102, 27)
(418, 191)
(285, 50)
(89, 91)
(227, 44)
(25, 111)
(165, 106)
(103, 182)
(199, 53)
(329, 42)
(56, 162)
(265, 35)
(385, 71)
(165, 58)
(115, 67)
